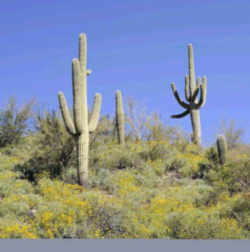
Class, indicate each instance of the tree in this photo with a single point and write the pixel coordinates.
(14, 122)
(232, 134)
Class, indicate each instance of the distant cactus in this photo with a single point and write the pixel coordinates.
(191, 93)
(120, 118)
(222, 149)
(79, 128)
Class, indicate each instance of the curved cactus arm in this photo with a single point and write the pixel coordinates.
(66, 114)
(203, 89)
(95, 113)
(176, 95)
(196, 92)
(187, 95)
(181, 115)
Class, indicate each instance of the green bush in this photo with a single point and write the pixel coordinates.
(54, 149)
(14, 122)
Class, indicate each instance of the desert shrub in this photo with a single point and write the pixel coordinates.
(63, 209)
(197, 224)
(104, 133)
(155, 150)
(113, 156)
(233, 177)
(7, 163)
(101, 179)
(107, 219)
(186, 164)
(124, 184)
(20, 152)
(9, 184)
(174, 163)
(151, 188)
(14, 122)
(212, 155)
(143, 127)
(232, 134)
(182, 213)
(54, 148)
(196, 192)
(35, 168)
(12, 228)
(233, 207)
(158, 131)
(11, 208)
(54, 139)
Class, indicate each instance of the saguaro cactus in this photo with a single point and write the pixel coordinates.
(191, 93)
(120, 118)
(222, 149)
(80, 127)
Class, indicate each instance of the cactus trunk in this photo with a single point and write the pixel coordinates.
(82, 159)
(191, 92)
(196, 126)
(120, 118)
(222, 149)
(79, 127)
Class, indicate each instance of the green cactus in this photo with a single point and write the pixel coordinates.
(222, 149)
(191, 92)
(80, 127)
(120, 118)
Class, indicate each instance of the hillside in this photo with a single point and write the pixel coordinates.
(159, 186)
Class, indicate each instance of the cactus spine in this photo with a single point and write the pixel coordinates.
(120, 118)
(79, 127)
(222, 149)
(191, 92)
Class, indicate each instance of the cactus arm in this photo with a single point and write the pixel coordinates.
(79, 126)
(196, 92)
(83, 53)
(198, 81)
(192, 89)
(95, 113)
(176, 95)
(77, 94)
(181, 115)
(203, 89)
(187, 95)
(66, 114)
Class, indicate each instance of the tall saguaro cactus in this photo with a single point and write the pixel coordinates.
(120, 118)
(192, 88)
(222, 149)
(80, 126)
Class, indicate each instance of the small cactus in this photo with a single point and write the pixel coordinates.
(191, 92)
(79, 127)
(120, 118)
(222, 149)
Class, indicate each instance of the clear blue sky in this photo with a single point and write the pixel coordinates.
(137, 46)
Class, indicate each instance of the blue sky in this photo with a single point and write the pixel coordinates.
(139, 47)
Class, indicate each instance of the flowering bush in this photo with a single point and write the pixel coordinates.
(160, 192)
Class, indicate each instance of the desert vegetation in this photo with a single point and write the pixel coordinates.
(70, 174)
